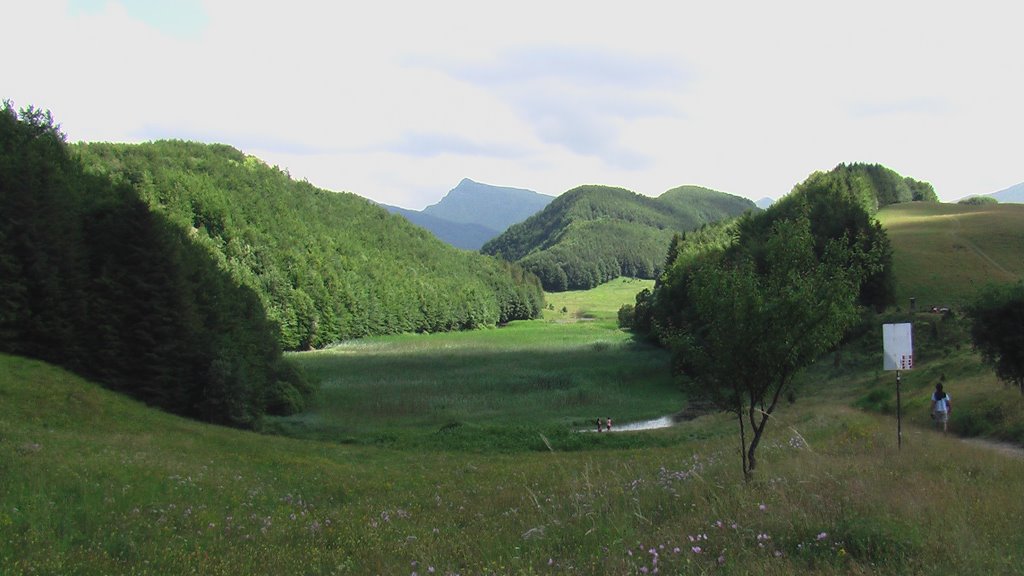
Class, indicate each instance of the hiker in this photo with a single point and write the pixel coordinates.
(599, 424)
(609, 424)
(941, 407)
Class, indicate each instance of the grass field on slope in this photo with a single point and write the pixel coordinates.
(93, 483)
(601, 303)
(943, 253)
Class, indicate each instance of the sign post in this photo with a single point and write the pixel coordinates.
(898, 346)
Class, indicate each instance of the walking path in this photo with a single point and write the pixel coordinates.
(1006, 448)
(955, 233)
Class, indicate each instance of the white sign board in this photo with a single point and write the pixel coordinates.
(898, 346)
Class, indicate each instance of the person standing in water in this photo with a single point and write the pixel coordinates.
(941, 407)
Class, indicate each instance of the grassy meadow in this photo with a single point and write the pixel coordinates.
(525, 386)
(386, 473)
(943, 253)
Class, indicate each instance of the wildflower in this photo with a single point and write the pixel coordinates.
(695, 549)
(762, 507)
(551, 561)
(777, 553)
(822, 536)
(721, 559)
(675, 550)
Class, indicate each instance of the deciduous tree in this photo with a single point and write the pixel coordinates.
(751, 326)
(997, 329)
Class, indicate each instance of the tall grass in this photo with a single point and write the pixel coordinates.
(95, 484)
(492, 389)
(92, 483)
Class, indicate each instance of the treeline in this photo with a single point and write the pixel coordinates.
(326, 266)
(93, 280)
(873, 185)
(838, 207)
(592, 234)
(598, 251)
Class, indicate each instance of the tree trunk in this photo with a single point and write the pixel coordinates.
(747, 475)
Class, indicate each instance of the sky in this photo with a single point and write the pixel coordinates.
(399, 101)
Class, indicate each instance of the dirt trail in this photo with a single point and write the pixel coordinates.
(1008, 449)
(955, 233)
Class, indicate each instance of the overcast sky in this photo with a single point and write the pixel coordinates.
(398, 101)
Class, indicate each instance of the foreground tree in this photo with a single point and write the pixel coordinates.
(997, 330)
(754, 319)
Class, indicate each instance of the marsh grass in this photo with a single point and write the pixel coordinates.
(496, 389)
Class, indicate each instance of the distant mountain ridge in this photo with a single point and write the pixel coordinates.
(473, 213)
(467, 236)
(1013, 194)
(495, 207)
(592, 234)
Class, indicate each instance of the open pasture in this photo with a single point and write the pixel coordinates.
(93, 483)
(497, 389)
(96, 484)
(943, 253)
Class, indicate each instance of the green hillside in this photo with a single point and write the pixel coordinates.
(326, 266)
(93, 280)
(943, 253)
(592, 234)
(839, 208)
(94, 484)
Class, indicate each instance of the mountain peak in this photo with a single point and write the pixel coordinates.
(495, 207)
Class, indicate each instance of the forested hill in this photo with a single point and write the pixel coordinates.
(327, 266)
(834, 212)
(594, 233)
(873, 185)
(93, 280)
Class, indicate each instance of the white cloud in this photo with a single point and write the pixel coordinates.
(399, 101)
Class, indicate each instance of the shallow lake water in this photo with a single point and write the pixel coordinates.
(663, 422)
